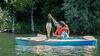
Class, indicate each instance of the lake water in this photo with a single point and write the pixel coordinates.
(8, 47)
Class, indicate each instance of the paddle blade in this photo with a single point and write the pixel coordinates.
(48, 27)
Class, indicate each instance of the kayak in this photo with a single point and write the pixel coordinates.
(56, 42)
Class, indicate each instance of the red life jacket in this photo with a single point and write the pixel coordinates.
(59, 30)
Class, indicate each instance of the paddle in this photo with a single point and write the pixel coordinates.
(39, 37)
(88, 37)
(48, 27)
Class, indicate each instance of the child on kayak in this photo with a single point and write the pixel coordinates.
(62, 30)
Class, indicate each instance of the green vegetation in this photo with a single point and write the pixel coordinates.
(5, 19)
(82, 16)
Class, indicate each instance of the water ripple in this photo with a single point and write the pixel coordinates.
(56, 50)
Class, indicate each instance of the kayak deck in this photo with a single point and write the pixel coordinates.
(56, 42)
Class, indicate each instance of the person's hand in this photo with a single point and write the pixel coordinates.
(54, 35)
(49, 15)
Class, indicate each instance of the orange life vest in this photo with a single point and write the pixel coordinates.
(59, 30)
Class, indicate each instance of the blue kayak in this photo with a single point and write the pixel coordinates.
(57, 42)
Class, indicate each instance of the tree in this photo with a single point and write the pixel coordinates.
(5, 19)
(21, 12)
(81, 15)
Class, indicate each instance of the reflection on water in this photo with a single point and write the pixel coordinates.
(44, 50)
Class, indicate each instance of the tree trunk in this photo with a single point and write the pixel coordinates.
(13, 23)
(32, 22)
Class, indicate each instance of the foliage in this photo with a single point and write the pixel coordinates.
(20, 10)
(20, 5)
(43, 8)
(22, 27)
(82, 15)
(5, 19)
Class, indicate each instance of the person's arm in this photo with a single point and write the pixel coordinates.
(49, 15)
(54, 21)
(56, 24)
(68, 29)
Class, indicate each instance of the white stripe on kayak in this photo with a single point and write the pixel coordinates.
(68, 40)
(56, 39)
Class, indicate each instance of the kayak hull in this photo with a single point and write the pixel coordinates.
(57, 42)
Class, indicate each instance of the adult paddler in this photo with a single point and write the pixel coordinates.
(62, 30)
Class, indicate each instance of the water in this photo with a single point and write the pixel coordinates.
(8, 47)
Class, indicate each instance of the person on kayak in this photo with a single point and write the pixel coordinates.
(62, 30)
